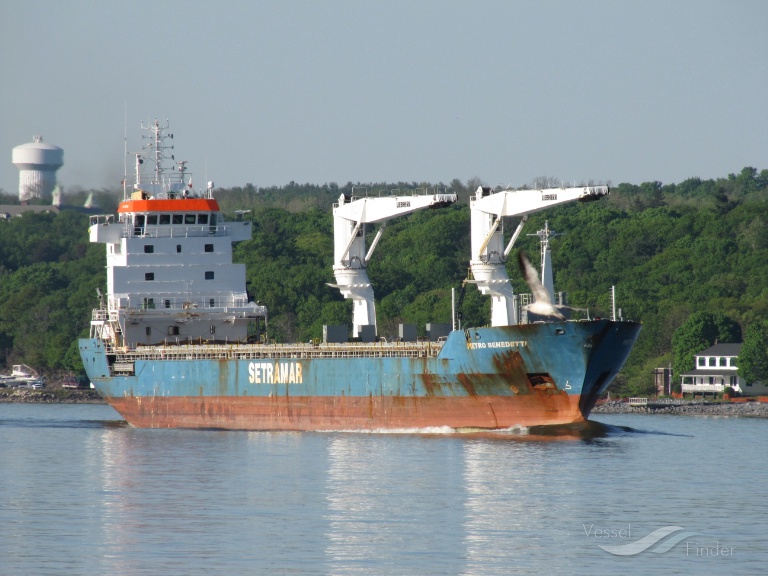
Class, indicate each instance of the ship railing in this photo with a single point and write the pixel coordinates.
(101, 219)
(99, 314)
(173, 231)
(280, 351)
(161, 302)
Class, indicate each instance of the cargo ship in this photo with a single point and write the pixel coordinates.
(176, 342)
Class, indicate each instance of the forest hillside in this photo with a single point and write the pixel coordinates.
(672, 252)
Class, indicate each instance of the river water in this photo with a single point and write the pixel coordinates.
(83, 494)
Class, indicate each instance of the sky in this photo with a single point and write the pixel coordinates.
(266, 92)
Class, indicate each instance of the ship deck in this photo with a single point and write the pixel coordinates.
(423, 349)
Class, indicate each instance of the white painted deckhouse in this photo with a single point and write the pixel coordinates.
(169, 257)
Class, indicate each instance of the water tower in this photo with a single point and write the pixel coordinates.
(37, 163)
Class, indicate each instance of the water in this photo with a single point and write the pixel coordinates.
(83, 494)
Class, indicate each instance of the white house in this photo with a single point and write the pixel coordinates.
(716, 369)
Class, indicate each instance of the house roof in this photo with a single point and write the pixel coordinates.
(724, 372)
(721, 350)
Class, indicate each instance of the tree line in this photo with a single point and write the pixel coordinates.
(689, 260)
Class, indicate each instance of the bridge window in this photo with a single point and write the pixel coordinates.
(139, 224)
(178, 218)
(152, 219)
(165, 219)
(189, 219)
(202, 218)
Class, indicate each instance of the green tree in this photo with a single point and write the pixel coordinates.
(753, 358)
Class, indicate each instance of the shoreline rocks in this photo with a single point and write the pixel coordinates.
(52, 396)
(686, 408)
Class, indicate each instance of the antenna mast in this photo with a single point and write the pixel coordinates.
(156, 142)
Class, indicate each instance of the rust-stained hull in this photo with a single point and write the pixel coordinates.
(481, 378)
(306, 413)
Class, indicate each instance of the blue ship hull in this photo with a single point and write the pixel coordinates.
(484, 378)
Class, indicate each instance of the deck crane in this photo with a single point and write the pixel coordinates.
(350, 259)
(488, 251)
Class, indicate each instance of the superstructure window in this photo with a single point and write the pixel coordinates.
(211, 303)
(189, 219)
(178, 219)
(149, 276)
(209, 275)
(149, 248)
(202, 218)
(167, 303)
(165, 219)
(209, 247)
(178, 248)
(152, 219)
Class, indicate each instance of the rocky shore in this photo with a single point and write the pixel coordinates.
(686, 408)
(52, 396)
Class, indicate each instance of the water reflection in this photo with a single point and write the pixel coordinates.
(499, 508)
(232, 500)
(391, 504)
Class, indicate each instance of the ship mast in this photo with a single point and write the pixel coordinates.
(157, 136)
(546, 258)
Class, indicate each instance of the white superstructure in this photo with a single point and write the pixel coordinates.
(170, 276)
